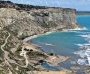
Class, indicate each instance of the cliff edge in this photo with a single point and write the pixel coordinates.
(29, 20)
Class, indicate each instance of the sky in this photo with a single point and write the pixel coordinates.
(80, 5)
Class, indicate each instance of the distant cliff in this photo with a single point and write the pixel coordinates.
(29, 20)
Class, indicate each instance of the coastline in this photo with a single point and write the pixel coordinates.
(34, 40)
(53, 72)
(70, 30)
(50, 32)
(51, 60)
(35, 36)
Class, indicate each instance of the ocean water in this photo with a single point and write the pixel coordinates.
(75, 44)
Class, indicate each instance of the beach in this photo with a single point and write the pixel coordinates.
(53, 72)
(35, 36)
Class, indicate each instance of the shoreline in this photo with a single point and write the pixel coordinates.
(35, 36)
(54, 72)
(50, 32)
(52, 60)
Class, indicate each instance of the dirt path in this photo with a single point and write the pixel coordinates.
(6, 53)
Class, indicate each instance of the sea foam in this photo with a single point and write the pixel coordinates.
(78, 29)
(85, 36)
(82, 61)
(84, 54)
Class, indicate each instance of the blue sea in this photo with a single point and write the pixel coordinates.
(74, 44)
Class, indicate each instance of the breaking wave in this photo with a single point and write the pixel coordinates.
(75, 29)
(85, 36)
(84, 53)
(48, 44)
(78, 29)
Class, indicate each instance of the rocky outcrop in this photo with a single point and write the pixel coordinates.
(29, 20)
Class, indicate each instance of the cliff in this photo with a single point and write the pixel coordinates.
(29, 20)
(18, 21)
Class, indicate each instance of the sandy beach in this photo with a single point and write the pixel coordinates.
(53, 72)
(35, 36)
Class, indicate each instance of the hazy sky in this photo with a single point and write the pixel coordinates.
(83, 5)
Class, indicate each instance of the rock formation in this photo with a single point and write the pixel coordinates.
(29, 20)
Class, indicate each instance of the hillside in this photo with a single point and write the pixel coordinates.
(18, 21)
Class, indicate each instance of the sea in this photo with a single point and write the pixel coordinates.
(73, 43)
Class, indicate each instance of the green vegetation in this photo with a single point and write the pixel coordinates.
(36, 54)
(51, 54)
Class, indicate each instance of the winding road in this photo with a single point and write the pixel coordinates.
(6, 53)
(5, 42)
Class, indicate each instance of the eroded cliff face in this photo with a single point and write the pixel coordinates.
(35, 20)
(18, 21)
